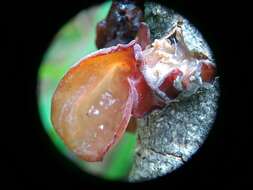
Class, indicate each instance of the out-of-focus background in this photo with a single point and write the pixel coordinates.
(73, 41)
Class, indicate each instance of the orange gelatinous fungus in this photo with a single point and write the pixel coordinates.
(93, 103)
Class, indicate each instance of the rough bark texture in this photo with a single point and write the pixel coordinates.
(169, 137)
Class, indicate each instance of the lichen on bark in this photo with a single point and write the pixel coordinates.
(169, 137)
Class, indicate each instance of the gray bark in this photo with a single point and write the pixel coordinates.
(169, 137)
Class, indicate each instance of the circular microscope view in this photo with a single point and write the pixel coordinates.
(128, 90)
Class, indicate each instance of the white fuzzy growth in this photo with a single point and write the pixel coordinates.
(167, 58)
(156, 74)
(162, 58)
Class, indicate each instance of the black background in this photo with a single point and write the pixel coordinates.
(29, 157)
